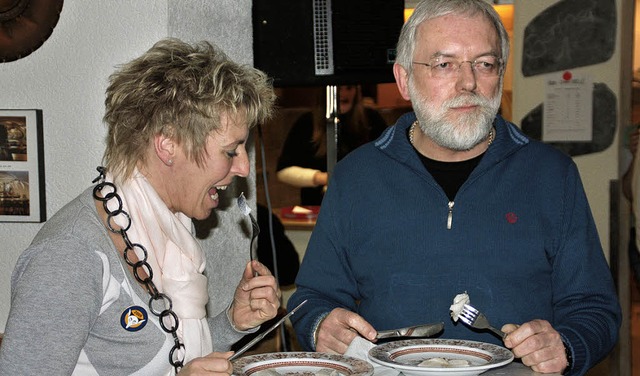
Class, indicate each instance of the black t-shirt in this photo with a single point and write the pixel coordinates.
(449, 175)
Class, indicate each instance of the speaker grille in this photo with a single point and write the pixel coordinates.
(322, 37)
(326, 42)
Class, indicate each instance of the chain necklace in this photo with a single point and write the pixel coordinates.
(413, 127)
(159, 298)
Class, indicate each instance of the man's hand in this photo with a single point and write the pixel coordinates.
(339, 328)
(257, 298)
(537, 344)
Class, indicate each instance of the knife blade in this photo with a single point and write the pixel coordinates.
(425, 330)
(264, 334)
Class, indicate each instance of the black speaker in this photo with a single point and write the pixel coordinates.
(326, 42)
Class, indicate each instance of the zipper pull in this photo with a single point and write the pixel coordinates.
(450, 215)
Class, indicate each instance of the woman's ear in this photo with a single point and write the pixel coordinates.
(165, 148)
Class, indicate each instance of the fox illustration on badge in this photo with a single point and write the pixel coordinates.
(134, 318)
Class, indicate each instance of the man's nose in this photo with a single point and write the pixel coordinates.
(466, 76)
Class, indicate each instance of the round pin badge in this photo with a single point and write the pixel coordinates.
(134, 318)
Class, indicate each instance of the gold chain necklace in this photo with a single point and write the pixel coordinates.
(413, 127)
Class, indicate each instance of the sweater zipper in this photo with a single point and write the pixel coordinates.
(450, 215)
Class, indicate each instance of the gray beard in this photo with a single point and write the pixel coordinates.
(463, 134)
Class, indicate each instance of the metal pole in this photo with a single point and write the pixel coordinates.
(331, 116)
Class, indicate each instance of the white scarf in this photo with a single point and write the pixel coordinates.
(175, 257)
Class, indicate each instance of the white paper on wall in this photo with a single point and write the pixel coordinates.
(568, 108)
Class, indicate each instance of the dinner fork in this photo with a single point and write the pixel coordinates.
(478, 320)
(246, 210)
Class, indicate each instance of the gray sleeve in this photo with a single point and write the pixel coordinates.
(56, 294)
(223, 333)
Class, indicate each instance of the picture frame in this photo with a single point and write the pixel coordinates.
(22, 183)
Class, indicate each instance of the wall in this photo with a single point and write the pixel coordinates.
(67, 77)
(596, 169)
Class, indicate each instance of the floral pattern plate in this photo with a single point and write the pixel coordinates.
(405, 356)
(300, 364)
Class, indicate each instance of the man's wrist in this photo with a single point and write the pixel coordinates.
(317, 328)
(569, 355)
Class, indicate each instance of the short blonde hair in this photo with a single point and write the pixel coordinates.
(179, 90)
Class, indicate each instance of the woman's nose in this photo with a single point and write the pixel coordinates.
(241, 165)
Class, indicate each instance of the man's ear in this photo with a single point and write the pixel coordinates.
(402, 80)
(165, 148)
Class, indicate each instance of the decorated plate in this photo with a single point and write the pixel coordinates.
(451, 357)
(300, 364)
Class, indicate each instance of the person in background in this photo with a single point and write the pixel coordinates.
(303, 160)
(113, 283)
(453, 198)
(629, 186)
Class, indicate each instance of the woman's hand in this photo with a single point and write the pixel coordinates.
(213, 364)
(257, 297)
(320, 178)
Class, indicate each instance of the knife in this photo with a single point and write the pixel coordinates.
(426, 330)
(263, 334)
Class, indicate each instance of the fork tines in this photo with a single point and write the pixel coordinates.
(470, 309)
(468, 315)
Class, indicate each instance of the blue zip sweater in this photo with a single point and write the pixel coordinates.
(522, 243)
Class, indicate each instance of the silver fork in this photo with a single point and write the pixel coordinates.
(478, 320)
(254, 236)
(246, 210)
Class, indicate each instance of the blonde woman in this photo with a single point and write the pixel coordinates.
(113, 284)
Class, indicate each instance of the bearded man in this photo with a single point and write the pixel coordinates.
(454, 198)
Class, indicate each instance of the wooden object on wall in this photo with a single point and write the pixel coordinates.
(25, 25)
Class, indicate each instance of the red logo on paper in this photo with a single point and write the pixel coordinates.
(567, 76)
(511, 217)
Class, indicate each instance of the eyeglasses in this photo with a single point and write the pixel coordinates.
(445, 67)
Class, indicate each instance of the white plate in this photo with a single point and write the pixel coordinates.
(301, 363)
(405, 356)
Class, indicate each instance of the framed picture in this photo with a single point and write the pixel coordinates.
(22, 190)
